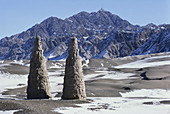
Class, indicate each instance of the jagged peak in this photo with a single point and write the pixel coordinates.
(101, 10)
(104, 11)
(83, 13)
(151, 24)
(51, 19)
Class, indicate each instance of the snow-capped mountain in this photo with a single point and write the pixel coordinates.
(100, 35)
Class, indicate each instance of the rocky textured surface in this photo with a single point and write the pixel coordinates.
(100, 35)
(38, 80)
(74, 86)
(158, 42)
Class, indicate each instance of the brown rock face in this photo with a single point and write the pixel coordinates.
(38, 80)
(74, 87)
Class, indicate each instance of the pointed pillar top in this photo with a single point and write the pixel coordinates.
(74, 39)
(37, 36)
(37, 44)
(73, 43)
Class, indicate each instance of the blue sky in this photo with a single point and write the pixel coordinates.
(19, 15)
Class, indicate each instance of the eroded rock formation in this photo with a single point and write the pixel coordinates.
(74, 86)
(38, 80)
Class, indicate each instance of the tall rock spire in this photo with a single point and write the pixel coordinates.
(74, 87)
(38, 80)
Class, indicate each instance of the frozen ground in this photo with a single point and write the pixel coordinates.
(8, 112)
(150, 93)
(117, 105)
(130, 103)
(11, 81)
(104, 80)
(146, 62)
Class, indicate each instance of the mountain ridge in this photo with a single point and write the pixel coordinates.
(100, 35)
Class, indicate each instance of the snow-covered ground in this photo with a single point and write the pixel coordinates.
(18, 62)
(117, 105)
(56, 84)
(145, 63)
(2, 66)
(8, 112)
(57, 65)
(128, 104)
(154, 93)
(11, 81)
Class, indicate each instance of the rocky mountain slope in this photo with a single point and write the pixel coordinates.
(158, 42)
(100, 35)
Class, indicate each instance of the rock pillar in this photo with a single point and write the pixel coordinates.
(74, 86)
(38, 80)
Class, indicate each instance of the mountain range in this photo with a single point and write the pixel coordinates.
(100, 34)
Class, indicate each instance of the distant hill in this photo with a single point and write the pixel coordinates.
(100, 35)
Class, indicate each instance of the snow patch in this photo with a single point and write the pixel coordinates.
(20, 62)
(85, 62)
(2, 61)
(56, 82)
(27, 64)
(10, 81)
(145, 63)
(162, 27)
(51, 56)
(56, 65)
(9, 111)
(85, 37)
(69, 20)
(116, 105)
(154, 93)
(109, 75)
